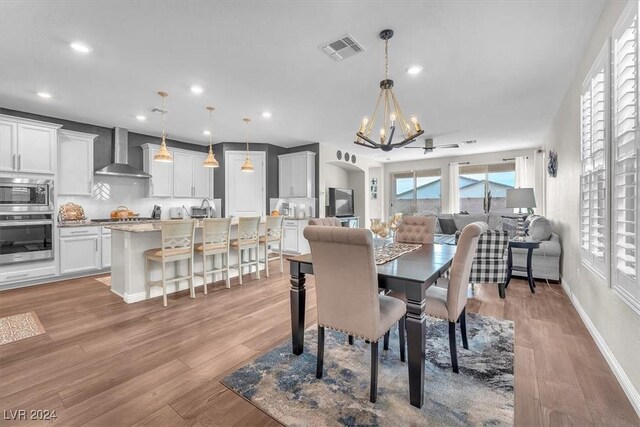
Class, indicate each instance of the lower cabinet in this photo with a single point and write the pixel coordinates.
(106, 250)
(84, 249)
(293, 241)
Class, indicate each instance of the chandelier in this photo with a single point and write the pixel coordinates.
(393, 118)
(163, 155)
(211, 161)
(247, 166)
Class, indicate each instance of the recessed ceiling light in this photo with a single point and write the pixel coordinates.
(81, 47)
(266, 114)
(414, 69)
(141, 118)
(206, 132)
(196, 89)
(46, 95)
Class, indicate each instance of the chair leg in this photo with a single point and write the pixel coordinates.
(319, 366)
(501, 290)
(164, 284)
(281, 257)
(240, 264)
(373, 390)
(192, 284)
(463, 328)
(226, 257)
(204, 271)
(350, 339)
(452, 346)
(258, 261)
(266, 258)
(386, 340)
(401, 333)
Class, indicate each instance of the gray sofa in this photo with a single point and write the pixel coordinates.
(546, 259)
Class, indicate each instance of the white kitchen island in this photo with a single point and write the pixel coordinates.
(128, 244)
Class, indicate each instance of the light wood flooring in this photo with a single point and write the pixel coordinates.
(106, 363)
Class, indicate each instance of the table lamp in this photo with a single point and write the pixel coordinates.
(520, 198)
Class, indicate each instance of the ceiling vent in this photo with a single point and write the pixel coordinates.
(345, 47)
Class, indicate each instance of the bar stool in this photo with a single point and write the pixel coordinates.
(177, 244)
(248, 232)
(272, 234)
(215, 240)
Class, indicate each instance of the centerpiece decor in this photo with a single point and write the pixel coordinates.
(392, 115)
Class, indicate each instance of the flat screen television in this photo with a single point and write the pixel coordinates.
(340, 202)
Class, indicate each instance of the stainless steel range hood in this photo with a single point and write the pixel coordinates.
(120, 166)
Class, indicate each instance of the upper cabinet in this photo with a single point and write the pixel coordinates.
(27, 146)
(75, 163)
(297, 174)
(184, 177)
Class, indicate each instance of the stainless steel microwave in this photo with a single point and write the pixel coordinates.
(26, 195)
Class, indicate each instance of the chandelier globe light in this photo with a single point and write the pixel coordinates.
(393, 119)
(210, 161)
(163, 155)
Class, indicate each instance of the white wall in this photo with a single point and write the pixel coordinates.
(335, 177)
(443, 164)
(615, 321)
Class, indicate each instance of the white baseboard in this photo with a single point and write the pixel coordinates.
(621, 376)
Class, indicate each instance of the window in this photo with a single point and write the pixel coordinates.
(483, 188)
(625, 144)
(416, 192)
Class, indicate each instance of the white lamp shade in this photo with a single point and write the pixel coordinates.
(521, 198)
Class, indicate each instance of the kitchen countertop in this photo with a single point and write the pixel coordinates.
(146, 227)
(132, 225)
(89, 223)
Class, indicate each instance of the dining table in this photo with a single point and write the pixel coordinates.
(412, 273)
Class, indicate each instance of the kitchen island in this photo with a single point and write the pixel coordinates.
(129, 242)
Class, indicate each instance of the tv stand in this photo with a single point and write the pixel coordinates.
(350, 221)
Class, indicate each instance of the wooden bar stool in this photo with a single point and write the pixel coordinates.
(177, 245)
(248, 232)
(272, 234)
(215, 240)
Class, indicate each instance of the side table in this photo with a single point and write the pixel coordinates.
(529, 245)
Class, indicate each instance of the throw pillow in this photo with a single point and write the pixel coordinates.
(447, 225)
(438, 229)
(462, 220)
(540, 228)
(509, 225)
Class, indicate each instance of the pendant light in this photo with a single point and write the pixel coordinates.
(163, 155)
(211, 161)
(392, 117)
(247, 166)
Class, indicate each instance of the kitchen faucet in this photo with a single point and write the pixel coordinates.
(208, 207)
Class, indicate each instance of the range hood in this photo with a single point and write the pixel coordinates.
(120, 166)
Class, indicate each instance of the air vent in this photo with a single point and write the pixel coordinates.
(345, 47)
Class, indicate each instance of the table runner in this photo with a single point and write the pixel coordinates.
(393, 250)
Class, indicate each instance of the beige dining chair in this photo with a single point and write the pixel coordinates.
(215, 241)
(177, 245)
(347, 297)
(326, 222)
(272, 235)
(248, 233)
(416, 229)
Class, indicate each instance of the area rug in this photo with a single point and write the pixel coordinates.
(19, 326)
(284, 385)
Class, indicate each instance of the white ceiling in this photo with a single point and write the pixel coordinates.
(494, 71)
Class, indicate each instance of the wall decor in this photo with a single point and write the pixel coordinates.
(339, 155)
(374, 188)
(353, 159)
(552, 164)
(346, 157)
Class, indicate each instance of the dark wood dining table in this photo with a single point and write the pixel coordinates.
(412, 273)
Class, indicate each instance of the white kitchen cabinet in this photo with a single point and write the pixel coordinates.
(297, 174)
(293, 241)
(75, 163)
(105, 249)
(184, 177)
(182, 174)
(27, 146)
(161, 181)
(79, 249)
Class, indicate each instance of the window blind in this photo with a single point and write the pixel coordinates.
(594, 104)
(625, 146)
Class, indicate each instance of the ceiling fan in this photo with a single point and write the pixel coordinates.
(429, 147)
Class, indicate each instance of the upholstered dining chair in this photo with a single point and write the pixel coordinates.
(347, 297)
(248, 233)
(215, 241)
(326, 222)
(416, 229)
(177, 245)
(272, 235)
(448, 300)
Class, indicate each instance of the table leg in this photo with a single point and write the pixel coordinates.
(532, 284)
(416, 342)
(297, 296)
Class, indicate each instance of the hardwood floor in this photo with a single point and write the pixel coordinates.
(103, 362)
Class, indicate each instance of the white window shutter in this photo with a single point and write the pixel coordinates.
(625, 147)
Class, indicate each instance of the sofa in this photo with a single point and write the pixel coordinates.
(545, 260)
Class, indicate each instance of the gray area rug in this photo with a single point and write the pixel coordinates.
(284, 385)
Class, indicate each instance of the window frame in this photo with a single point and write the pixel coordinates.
(437, 172)
(486, 170)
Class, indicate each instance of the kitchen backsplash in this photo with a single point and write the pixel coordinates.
(298, 207)
(111, 192)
